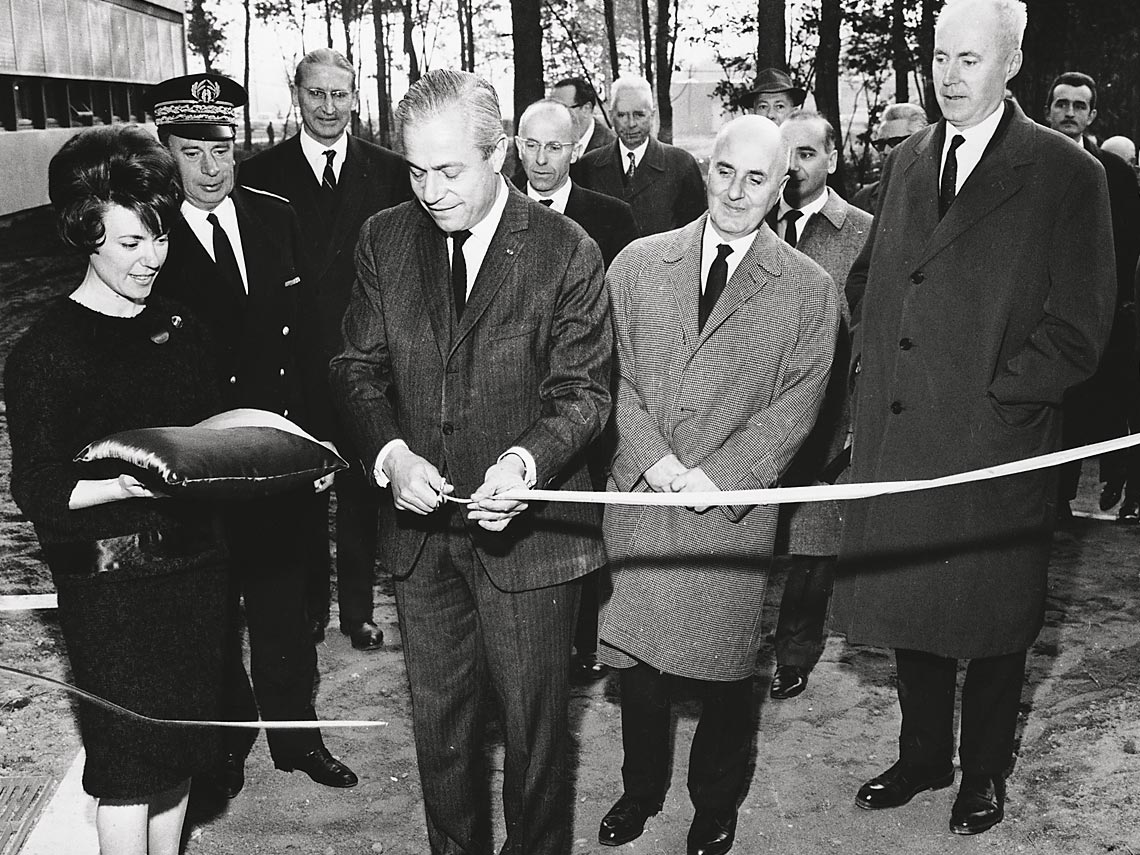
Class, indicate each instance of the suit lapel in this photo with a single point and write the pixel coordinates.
(683, 258)
(611, 172)
(352, 184)
(497, 264)
(748, 278)
(651, 168)
(435, 278)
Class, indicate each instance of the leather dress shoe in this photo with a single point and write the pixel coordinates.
(788, 681)
(231, 775)
(1110, 495)
(365, 635)
(712, 833)
(322, 767)
(1129, 511)
(625, 821)
(585, 668)
(899, 784)
(317, 629)
(980, 804)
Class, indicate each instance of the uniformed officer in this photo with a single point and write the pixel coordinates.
(234, 262)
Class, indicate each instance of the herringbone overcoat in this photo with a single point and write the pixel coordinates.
(736, 399)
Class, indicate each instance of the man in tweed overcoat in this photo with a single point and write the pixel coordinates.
(721, 405)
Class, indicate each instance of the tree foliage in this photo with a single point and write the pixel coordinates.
(204, 35)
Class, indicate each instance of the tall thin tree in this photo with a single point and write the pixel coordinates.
(663, 61)
(526, 36)
(771, 42)
(245, 79)
(827, 79)
(611, 37)
(900, 51)
(647, 40)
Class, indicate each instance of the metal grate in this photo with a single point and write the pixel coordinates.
(21, 801)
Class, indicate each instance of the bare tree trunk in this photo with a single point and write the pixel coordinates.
(771, 42)
(410, 45)
(827, 81)
(527, 39)
(348, 15)
(926, 56)
(647, 39)
(611, 37)
(900, 54)
(664, 72)
(383, 105)
(245, 81)
(328, 24)
(470, 24)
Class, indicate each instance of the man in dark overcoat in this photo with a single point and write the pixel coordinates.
(661, 182)
(989, 281)
(581, 99)
(333, 194)
(235, 261)
(476, 360)
(725, 341)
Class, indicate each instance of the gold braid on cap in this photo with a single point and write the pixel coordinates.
(194, 113)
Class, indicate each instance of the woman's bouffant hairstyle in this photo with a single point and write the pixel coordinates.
(113, 165)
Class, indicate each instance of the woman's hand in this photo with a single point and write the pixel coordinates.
(88, 494)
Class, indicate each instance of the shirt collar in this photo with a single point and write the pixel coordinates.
(980, 134)
(485, 229)
(638, 152)
(225, 211)
(585, 138)
(807, 210)
(710, 240)
(560, 196)
(315, 152)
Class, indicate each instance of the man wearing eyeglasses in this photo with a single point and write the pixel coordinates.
(334, 182)
(898, 122)
(579, 96)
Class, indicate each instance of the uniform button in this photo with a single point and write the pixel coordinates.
(233, 380)
(284, 330)
(896, 407)
(285, 412)
(282, 372)
(918, 277)
(905, 344)
(448, 428)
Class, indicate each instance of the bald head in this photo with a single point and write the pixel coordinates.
(547, 145)
(1122, 147)
(746, 175)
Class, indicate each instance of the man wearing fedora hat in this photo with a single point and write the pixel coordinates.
(234, 261)
(774, 95)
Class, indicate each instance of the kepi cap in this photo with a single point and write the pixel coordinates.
(770, 80)
(198, 106)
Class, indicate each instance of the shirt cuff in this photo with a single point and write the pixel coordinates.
(530, 476)
(378, 467)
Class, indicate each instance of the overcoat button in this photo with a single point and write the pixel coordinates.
(284, 330)
(896, 407)
(918, 277)
(233, 380)
(448, 428)
(906, 344)
(282, 372)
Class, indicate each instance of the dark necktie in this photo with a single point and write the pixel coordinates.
(632, 168)
(790, 220)
(947, 190)
(328, 180)
(459, 271)
(546, 202)
(224, 256)
(714, 285)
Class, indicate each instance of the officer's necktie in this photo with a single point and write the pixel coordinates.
(632, 168)
(224, 256)
(328, 180)
(714, 285)
(459, 270)
(790, 220)
(948, 189)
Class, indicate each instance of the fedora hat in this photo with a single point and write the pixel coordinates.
(771, 80)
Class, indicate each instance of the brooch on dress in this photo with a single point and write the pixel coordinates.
(163, 334)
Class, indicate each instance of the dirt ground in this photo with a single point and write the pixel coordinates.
(1075, 788)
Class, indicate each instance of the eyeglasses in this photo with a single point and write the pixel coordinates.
(340, 97)
(552, 149)
(881, 144)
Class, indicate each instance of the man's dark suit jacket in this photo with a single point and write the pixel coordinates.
(601, 137)
(259, 337)
(607, 220)
(667, 192)
(527, 365)
(371, 179)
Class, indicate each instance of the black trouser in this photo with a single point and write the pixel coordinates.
(357, 511)
(803, 610)
(269, 575)
(722, 744)
(991, 695)
(586, 627)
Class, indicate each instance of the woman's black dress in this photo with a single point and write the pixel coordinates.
(141, 582)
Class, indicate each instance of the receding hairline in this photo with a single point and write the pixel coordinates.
(1011, 14)
(758, 133)
(547, 106)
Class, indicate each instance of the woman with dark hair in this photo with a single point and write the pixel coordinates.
(140, 577)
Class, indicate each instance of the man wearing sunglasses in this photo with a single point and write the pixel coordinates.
(899, 121)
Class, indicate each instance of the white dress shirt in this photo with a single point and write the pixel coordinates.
(638, 154)
(558, 198)
(474, 251)
(710, 240)
(809, 210)
(970, 152)
(204, 231)
(314, 153)
(584, 140)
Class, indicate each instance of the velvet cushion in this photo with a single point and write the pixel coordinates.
(237, 454)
